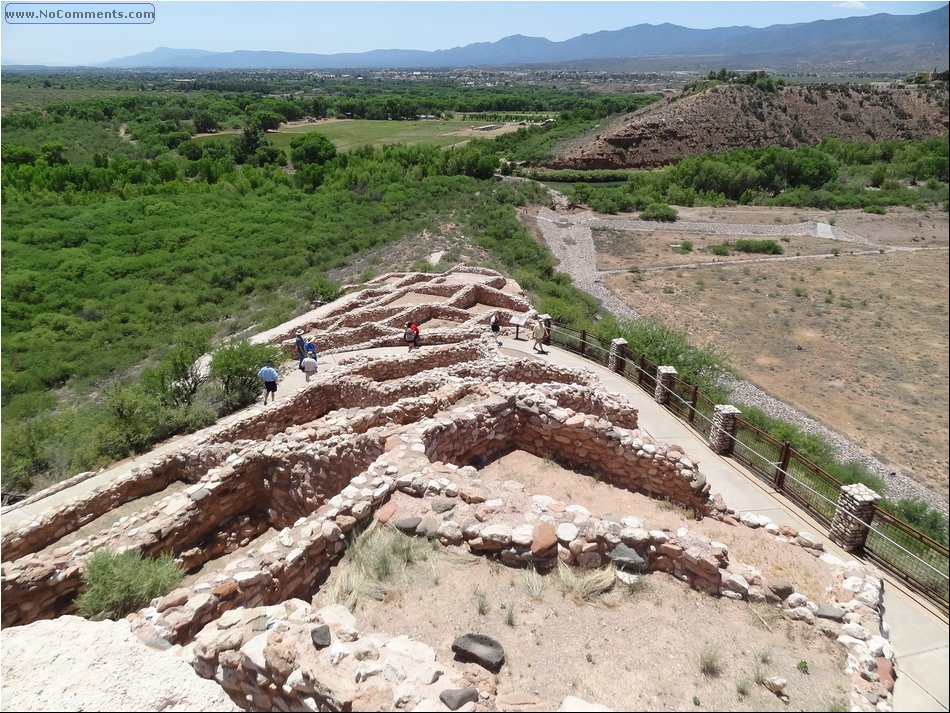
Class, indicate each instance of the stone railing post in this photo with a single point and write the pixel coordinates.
(618, 350)
(853, 513)
(723, 432)
(664, 382)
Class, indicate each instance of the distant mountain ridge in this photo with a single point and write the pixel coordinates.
(902, 41)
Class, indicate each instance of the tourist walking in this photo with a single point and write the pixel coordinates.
(310, 347)
(269, 374)
(539, 333)
(309, 365)
(495, 327)
(301, 346)
(411, 335)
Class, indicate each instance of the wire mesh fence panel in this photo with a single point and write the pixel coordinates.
(596, 350)
(918, 559)
(566, 338)
(705, 410)
(644, 373)
(758, 450)
(680, 399)
(812, 487)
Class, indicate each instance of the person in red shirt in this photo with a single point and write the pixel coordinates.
(411, 335)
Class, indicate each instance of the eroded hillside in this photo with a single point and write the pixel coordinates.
(728, 116)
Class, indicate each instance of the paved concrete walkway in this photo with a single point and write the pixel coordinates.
(919, 633)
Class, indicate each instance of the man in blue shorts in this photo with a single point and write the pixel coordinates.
(269, 374)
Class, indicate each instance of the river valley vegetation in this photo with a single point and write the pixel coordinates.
(131, 245)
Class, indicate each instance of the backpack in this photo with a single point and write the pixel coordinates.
(494, 324)
(410, 335)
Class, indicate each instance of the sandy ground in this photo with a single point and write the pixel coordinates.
(636, 649)
(858, 341)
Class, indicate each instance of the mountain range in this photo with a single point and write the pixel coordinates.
(879, 42)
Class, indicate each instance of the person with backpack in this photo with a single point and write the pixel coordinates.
(411, 335)
(495, 327)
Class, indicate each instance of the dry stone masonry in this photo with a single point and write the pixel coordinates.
(398, 441)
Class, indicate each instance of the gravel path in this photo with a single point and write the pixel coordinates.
(570, 239)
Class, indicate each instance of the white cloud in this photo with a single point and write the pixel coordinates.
(851, 5)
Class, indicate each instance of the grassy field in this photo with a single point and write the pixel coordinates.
(350, 133)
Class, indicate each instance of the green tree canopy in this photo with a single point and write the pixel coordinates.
(312, 148)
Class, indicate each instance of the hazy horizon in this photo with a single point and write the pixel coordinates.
(357, 26)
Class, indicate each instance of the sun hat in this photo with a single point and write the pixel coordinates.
(310, 340)
(299, 332)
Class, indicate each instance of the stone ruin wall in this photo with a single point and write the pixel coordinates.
(279, 669)
(398, 426)
(303, 466)
(184, 465)
(383, 325)
(627, 459)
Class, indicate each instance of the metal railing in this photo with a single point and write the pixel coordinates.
(893, 544)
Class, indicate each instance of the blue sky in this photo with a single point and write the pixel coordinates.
(359, 26)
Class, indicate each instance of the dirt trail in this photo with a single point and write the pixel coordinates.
(569, 236)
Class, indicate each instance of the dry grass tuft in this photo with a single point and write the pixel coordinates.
(587, 586)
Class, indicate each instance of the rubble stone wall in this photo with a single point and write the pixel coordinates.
(185, 465)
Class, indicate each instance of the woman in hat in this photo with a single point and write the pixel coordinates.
(301, 348)
(538, 334)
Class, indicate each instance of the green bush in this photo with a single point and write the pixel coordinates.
(115, 585)
(929, 521)
(660, 212)
(767, 247)
(875, 209)
(813, 447)
(722, 249)
(664, 345)
(235, 367)
(686, 246)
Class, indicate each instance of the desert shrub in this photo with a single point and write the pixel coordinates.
(813, 447)
(677, 195)
(875, 209)
(376, 560)
(854, 472)
(235, 367)
(710, 662)
(532, 582)
(663, 344)
(660, 212)
(767, 247)
(115, 585)
(878, 174)
(686, 246)
(134, 415)
(323, 289)
(722, 249)
(919, 514)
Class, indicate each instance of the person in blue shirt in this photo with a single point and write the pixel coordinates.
(301, 347)
(310, 348)
(269, 374)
